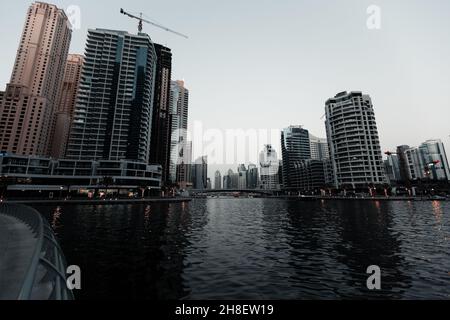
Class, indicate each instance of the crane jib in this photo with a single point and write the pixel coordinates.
(141, 20)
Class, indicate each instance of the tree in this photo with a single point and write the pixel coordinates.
(107, 182)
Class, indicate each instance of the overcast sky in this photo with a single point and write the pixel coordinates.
(269, 64)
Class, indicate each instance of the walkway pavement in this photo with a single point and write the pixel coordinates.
(17, 245)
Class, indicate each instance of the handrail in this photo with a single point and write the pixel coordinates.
(44, 236)
(36, 225)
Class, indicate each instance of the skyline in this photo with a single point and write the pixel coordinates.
(404, 60)
(322, 127)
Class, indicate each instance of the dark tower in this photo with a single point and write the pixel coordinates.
(403, 164)
(161, 129)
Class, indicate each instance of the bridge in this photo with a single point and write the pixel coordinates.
(234, 191)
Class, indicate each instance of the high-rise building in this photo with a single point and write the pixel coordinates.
(295, 148)
(227, 180)
(252, 177)
(113, 114)
(184, 165)
(183, 104)
(428, 161)
(178, 108)
(65, 108)
(280, 174)
(392, 167)
(319, 148)
(217, 180)
(200, 173)
(304, 160)
(174, 120)
(436, 160)
(415, 163)
(353, 140)
(242, 179)
(179, 102)
(161, 126)
(29, 103)
(403, 164)
(329, 173)
(310, 175)
(231, 180)
(234, 181)
(269, 164)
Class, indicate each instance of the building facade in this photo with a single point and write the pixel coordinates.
(243, 175)
(34, 173)
(252, 177)
(217, 180)
(200, 173)
(319, 148)
(403, 164)
(28, 105)
(174, 119)
(113, 114)
(392, 167)
(353, 141)
(415, 164)
(161, 126)
(436, 160)
(63, 117)
(427, 162)
(180, 149)
(184, 165)
(295, 148)
(269, 165)
(310, 175)
(231, 180)
(226, 181)
(305, 160)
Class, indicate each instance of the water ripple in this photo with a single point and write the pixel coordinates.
(258, 249)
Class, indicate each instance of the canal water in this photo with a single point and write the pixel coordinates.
(257, 249)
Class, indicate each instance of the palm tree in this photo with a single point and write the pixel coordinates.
(107, 182)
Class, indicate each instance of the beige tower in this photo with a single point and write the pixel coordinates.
(29, 102)
(64, 110)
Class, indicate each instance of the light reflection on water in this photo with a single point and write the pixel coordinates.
(257, 249)
(437, 209)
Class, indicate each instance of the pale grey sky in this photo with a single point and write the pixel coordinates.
(270, 64)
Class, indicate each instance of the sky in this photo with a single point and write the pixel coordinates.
(260, 64)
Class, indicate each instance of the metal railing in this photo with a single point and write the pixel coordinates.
(45, 278)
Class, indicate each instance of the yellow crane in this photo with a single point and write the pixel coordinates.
(142, 20)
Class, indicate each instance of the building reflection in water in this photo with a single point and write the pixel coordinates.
(256, 249)
(55, 223)
(367, 238)
(125, 251)
(333, 244)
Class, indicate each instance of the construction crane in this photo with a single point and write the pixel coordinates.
(141, 20)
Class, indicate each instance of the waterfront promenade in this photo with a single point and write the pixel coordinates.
(393, 198)
(96, 201)
(188, 199)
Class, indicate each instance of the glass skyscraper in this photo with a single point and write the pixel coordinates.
(295, 148)
(161, 126)
(113, 113)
